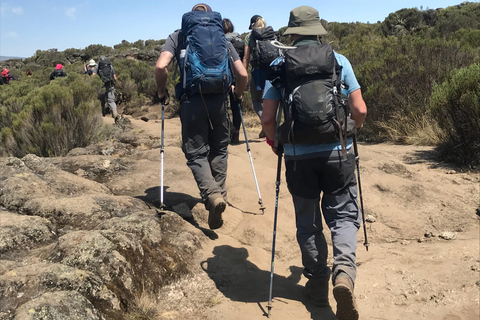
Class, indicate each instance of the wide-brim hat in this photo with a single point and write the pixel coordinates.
(305, 21)
(92, 63)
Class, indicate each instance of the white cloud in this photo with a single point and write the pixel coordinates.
(70, 12)
(17, 10)
(12, 34)
(5, 9)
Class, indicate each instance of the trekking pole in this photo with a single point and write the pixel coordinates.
(161, 158)
(260, 202)
(277, 192)
(357, 160)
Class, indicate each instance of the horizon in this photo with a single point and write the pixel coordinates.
(27, 26)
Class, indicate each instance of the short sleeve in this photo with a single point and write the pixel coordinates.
(348, 76)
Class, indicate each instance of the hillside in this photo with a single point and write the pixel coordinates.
(82, 236)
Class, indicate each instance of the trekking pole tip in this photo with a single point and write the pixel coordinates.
(262, 207)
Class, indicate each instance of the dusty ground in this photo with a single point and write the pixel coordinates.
(422, 262)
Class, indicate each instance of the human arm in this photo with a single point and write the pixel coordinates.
(358, 108)
(161, 72)
(246, 57)
(241, 79)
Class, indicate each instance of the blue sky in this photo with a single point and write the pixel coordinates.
(27, 25)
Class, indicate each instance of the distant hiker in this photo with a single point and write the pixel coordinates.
(28, 72)
(105, 71)
(316, 162)
(58, 72)
(239, 46)
(90, 67)
(202, 94)
(7, 77)
(259, 32)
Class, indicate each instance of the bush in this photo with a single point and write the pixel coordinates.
(455, 104)
(50, 120)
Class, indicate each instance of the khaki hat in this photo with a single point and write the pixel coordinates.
(305, 21)
(92, 63)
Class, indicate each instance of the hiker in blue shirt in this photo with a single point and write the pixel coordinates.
(313, 169)
(204, 117)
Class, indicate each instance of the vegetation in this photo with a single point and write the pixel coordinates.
(416, 69)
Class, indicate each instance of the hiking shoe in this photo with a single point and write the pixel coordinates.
(343, 293)
(215, 220)
(317, 292)
(118, 118)
(262, 134)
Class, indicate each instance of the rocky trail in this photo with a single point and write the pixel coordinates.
(82, 237)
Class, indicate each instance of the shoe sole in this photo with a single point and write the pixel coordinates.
(215, 220)
(346, 309)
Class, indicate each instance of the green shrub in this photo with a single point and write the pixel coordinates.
(52, 119)
(455, 104)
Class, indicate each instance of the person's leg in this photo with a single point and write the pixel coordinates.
(303, 184)
(341, 212)
(237, 120)
(340, 209)
(257, 98)
(218, 140)
(110, 97)
(195, 146)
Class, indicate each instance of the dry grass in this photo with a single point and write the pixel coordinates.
(146, 308)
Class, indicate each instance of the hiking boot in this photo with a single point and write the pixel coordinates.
(234, 137)
(343, 293)
(317, 291)
(217, 207)
(118, 118)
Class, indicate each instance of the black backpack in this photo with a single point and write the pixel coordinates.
(263, 52)
(239, 45)
(105, 71)
(58, 73)
(315, 110)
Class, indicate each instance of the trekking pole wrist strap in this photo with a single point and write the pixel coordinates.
(269, 141)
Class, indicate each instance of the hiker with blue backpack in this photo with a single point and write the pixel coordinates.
(323, 107)
(206, 60)
(239, 46)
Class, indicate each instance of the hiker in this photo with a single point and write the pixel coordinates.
(28, 72)
(105, 71)
(6, 77)
(202, 96)
(258, 74)
(317, 167)
(90, 67)
(58, 72)
(239, 46)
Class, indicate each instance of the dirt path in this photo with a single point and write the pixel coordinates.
(422, 263)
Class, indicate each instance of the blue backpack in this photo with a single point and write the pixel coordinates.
(204, 66)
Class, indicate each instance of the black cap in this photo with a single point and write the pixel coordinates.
(253, 20)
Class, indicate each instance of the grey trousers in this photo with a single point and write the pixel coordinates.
(335, 178)
(205, 135)
(110, 99)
